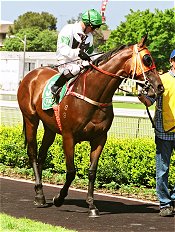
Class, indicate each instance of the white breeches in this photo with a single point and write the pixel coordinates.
(73, 68)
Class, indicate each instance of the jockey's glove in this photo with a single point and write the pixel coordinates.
(85, 63)
(84, 56)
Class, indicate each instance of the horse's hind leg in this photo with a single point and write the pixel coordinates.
(96, 149)
(48, 139)
(68, 146)
(37, 160)
(30, 134)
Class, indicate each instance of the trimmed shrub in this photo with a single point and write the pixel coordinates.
(122, 162)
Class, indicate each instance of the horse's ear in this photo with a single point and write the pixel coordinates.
(143, 41)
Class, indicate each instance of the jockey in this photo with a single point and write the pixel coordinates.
(75, 44)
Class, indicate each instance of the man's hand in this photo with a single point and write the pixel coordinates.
(84, 56)
(144, 100)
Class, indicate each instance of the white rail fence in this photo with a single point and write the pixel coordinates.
(127, 122)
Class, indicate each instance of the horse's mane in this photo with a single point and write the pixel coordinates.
(108, 54)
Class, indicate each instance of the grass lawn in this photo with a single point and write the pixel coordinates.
(9, 223)
(126, 105)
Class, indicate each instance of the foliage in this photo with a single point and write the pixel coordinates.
(41, 21)
(41, 34)
(122, 162)
(40, 41)
(98, 39)
(73, 20)
(161, 33)
(12, 152)
(40, 31)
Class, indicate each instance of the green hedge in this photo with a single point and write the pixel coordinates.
(122, 162)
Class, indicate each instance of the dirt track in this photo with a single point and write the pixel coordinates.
(117, 214)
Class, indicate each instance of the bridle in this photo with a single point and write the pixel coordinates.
(136, 62)
(136, 69)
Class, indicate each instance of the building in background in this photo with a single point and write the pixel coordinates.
(11, 66)
(4, 28)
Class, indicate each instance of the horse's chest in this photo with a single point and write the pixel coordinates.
(97, 126)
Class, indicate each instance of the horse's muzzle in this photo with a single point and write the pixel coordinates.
(160, 90)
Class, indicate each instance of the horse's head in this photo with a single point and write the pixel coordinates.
(142, 68)
(134, 61)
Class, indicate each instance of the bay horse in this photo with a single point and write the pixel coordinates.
(86, 113)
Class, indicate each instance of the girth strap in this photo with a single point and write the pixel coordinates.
(100, 105)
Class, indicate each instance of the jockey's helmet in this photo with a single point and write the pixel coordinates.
(92, 18)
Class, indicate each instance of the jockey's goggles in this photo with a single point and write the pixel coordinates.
(93, 27)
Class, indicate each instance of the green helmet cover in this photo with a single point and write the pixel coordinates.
(92, 17)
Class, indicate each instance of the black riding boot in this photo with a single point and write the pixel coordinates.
(65, 76)
(56, 88)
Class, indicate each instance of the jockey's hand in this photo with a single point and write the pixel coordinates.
(84, 56)
(82, 46)
(85, 63)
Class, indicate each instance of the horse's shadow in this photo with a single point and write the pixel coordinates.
(105, 207)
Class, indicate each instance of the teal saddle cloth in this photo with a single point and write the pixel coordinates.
(48, 100)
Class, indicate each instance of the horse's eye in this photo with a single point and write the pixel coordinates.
(147, 60)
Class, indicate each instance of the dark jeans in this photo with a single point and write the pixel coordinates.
(164, 149)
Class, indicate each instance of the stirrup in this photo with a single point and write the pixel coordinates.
(55, 90)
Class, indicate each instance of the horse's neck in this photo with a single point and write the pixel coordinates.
(110, 84)
(110, 89)
(120, 65)
(99, 86)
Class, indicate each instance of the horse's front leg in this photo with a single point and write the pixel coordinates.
(68, 146)
(96, 149)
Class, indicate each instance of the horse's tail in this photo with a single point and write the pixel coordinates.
(24, 133)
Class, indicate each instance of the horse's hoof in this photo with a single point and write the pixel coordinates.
(94, 213)
(40, 205)
(40, 201)
(57, 201)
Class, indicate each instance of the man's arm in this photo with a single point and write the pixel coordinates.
(145, 100)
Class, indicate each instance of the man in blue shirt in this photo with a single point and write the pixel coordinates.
(164, 138)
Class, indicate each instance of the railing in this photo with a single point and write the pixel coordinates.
(127, 122)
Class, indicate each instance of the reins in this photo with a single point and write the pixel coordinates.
(83, 97)
(105, 72)
(114, 75)
(57, 65)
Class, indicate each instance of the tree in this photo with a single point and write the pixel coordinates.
(35, 20)
(37, 41)
(40, 30)
(161, 33)
(73, 20)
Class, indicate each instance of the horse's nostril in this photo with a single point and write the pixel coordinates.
(160, 88)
